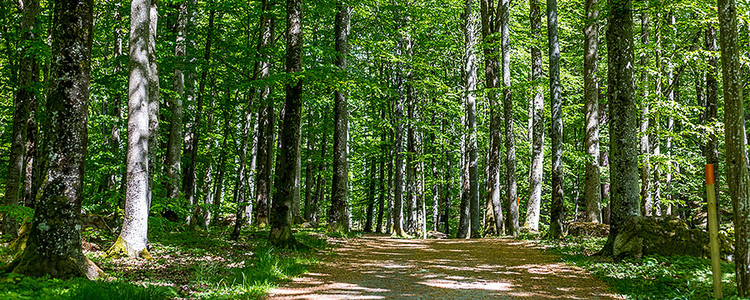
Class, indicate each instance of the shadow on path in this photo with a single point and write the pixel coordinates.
(379, 267)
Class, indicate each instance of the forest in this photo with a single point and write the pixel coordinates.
(195, 149)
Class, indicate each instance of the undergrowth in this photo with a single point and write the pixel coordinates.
(186, 265)
(650, 277)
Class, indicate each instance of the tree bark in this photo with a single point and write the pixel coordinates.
(370, 212)
(738, 178)
(281, 214)
(381, 179)
(153, 97)
(133, 237)
(470, 218)
(591, 93)
(339, 218)
(557, 210)
(537, 144)
(511, 184)
(25, 96)
(645, 149)
(398, 146)
(174, 143)
(54, 244)
(625, 202)
(489, 15)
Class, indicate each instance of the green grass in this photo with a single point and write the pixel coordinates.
(651, 277)
(187, 264)
(19, 287)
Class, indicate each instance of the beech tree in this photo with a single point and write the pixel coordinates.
(591, 93)
(738, 178)
(556, 208)
(537, 137)
(281, 212)
(133, 237)
(54, 243)
(623, 112)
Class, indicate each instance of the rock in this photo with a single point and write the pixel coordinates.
(664, 236)
(588, 229)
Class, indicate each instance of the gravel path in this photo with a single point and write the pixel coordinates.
(379, 267)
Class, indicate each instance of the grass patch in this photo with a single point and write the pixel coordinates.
(651, 277)
(186, 265)
(19, 287)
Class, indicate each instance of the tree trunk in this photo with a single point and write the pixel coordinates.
(470, 218)
(591, 93)
(339, 221)
(133, 237)
(54, 244)
(557, 210)
(265, 121)
(398, 146)
(281, 214)
(221, 169)
(447, 194)
(734, 128)
(369, 214)
(625, 202)
(309, 166)
(537, 145)
(153, 97)
(25, 96)
(511, 185)
(645, 149)
(381, 179)
(492, 80)
(174, 144)
(191, 149)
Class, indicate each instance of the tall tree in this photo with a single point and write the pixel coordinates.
(153, 96)
(591, 94)
(537, 144)
(556, 208)
(25, 96)
(339, 221)
(645, 149)
(54, 243)
(281, 213)
(738, 178)
(174, 143)
(623, 119)
(133, 237)
(194, 134)
(398, 145)
(511, 184)
(491, 81)
(470, 198)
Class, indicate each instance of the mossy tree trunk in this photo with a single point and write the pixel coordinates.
(339, 217)
(734, 128)
(625, 201)
(281, 210)
(54, 243)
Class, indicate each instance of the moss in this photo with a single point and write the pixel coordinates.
(121, 249)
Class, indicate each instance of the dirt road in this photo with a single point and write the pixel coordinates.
(379, 267)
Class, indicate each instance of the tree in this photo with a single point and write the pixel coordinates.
(491, 81)
(470, 197)
(623, 124)
(174, 143)
(738, 178)
(25, 96)
(281, 213)
(511, 228)
(133, 237)
(54, 243)
(591, 94)
(339, 221)
(645, 149)
(537, 143)
(557, 208)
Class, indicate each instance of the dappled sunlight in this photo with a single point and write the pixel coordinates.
(380, 267)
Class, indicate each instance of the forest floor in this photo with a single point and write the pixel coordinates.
(380, 267)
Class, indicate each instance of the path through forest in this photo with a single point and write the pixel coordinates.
(379, 267)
